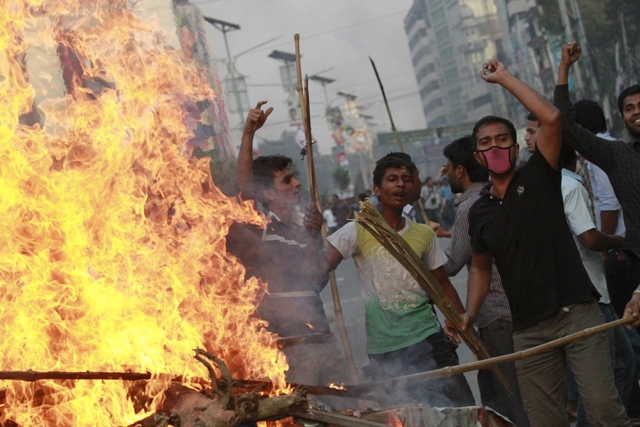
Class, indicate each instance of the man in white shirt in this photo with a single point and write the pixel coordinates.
(577, 207)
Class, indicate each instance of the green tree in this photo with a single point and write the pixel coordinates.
(341, 177)
(602, 21)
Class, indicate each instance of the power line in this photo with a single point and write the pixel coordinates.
(335, 30)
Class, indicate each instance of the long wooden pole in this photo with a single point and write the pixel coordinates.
(346, 390)
(337, 305)
(488, 363)
(386, 103)
(395, 132)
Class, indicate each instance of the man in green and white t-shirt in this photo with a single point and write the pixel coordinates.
(403, 334)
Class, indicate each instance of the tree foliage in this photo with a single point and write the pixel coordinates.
(602, 21)
(341, 178)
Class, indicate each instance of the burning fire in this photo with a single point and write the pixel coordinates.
(112, 252)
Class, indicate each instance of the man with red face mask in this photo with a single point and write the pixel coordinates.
(519, 222)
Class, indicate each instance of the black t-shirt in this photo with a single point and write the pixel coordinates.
(276, 256)
(528, 235)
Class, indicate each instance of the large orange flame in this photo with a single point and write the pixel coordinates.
(112, 243)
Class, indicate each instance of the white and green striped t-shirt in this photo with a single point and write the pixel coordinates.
(398, 313)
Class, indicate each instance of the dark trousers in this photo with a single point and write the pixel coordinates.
(498, 337)
(434, 352)
(434, 215)
(622, 279)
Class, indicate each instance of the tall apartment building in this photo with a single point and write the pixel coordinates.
(449, 41)
(529, 49)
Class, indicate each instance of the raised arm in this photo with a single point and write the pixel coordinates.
(244, 172)
(549, 137)
(597, 150)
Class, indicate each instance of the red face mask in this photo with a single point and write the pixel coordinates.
(498, 159)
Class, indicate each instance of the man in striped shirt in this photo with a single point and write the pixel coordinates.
(468, 177)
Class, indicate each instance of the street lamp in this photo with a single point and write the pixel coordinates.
(237, 87)
(324, 81)
(289, 81)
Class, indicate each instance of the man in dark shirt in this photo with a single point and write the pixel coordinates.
(620, 161)
(469, 178)
(519, 221)
(284, 253)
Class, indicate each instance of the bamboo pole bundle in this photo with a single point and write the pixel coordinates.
(373, 222)
(315, 199)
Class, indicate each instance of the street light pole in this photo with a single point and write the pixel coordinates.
(324, 81)
(226, 27)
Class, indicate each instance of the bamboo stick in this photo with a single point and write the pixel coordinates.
(488, 363)
(372, 221)
(55, 375)
(346, 390)
(313, 190)
(386, 103)
(338, 419)
(366, 390)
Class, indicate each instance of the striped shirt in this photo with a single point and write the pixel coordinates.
(458, 254)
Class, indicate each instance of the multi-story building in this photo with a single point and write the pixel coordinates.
(449, 40)
(528, 47)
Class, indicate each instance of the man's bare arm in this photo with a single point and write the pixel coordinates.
(609, 221)
(599, 242)
(447, 287)
(244, 172)
(478, 286)
(331, 259)
(549, 136)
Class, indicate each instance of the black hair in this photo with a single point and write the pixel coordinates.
(567, 155)
(590, 116)
(494, 119)
(264, 172)
(460, 153)
(532, 118)
(631, 90)
(391, 160)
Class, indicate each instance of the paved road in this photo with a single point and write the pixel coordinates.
(353, 311)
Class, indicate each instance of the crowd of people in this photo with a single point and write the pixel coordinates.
(551, 249)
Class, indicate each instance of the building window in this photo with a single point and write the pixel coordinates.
(442, 35)
(437, 15)
(438, 121)
(480, 101)
(454, 96)
(438, 102)
(429, 88)
(446, 55)
(422, 32)
(451, 75)
(424, 51)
